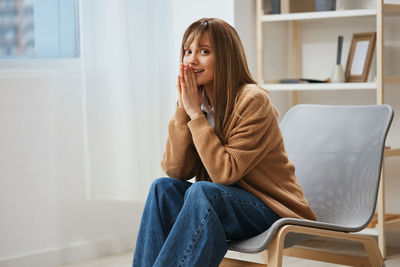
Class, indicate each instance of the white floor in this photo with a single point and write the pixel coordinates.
(125, 260)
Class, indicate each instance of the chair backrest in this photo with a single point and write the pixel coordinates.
(337, 152)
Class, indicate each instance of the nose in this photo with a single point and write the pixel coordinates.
(192, 59)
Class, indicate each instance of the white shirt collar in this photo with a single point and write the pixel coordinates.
(206, 107)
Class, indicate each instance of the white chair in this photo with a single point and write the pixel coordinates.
(337, 151)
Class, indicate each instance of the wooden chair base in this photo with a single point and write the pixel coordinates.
(276, 251)
(238, 263)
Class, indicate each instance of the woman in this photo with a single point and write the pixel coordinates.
(226, 134)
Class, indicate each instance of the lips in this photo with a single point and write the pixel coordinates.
(198, 71)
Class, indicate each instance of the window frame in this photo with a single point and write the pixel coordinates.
(27, 68)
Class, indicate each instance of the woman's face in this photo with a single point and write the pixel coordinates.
(200, 56)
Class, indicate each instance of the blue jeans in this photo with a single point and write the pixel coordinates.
(185, 224)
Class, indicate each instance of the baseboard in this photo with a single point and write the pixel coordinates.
(78, 252)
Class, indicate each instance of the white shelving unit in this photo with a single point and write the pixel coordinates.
(319, 15)
(376, 14)
(319, 86)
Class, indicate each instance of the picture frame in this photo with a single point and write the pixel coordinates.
(360, 57)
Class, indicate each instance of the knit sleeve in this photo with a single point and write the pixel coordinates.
(179, 158)
(248, 141)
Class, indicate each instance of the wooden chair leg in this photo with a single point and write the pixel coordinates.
(373, 252)
(381, 212)
(275, 252)
(264, 255)
(238, 263)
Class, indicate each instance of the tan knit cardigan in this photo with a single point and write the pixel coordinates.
(253, 155)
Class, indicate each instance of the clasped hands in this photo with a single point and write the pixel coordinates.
(189, 92)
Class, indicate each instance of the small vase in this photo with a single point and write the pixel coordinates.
(355, 4)
(325, 5)
(337, 74)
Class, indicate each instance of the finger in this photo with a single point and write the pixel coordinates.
(178, 85)
(185, 74)
(192, 79)
(181, 68)
(196, 88)
(183, 93)
(188, 81)
(182, 82)
(192, 83)
(179, 91)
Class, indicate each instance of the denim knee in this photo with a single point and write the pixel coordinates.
(165, 184)
(201, 189)
(161, 182)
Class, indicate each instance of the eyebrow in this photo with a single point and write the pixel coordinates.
(205, 45)
(200, 45)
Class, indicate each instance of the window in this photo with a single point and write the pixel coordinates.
(39, 29)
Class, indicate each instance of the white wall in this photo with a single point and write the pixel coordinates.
(245, 25)
(46, 218)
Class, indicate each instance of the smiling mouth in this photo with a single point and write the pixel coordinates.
(198, 71)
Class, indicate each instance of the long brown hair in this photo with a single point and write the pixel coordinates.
(230, 65)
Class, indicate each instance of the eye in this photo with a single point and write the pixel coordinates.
(204, 52)
(186, 52)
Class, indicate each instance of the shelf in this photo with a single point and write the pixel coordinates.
(369, 231)
(391, 8)
(319, 86)
(393, 152)
(391, 80)
(390, 225)
(319, 15)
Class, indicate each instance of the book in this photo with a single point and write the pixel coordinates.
(301, 80)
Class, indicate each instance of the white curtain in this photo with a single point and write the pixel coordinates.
(129, 92)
